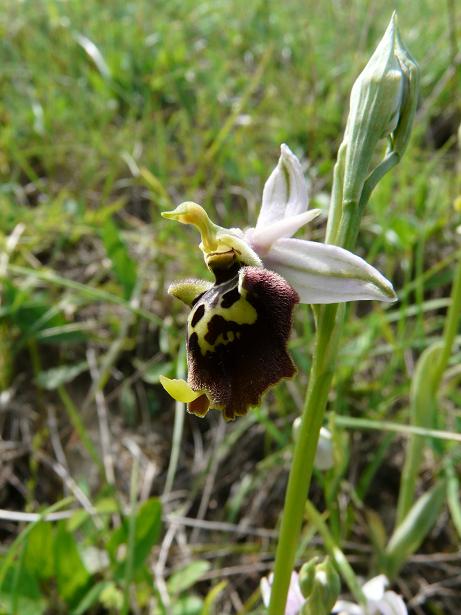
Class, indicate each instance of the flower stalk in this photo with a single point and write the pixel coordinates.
(379, 98)
(327, 339)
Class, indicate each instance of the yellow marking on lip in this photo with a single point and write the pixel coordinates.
(241, 312)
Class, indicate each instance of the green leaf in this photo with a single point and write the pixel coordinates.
(27, 598)
(422, 414)
(453, 495)
(212, 597)
(105, 506)
(71, 575)
(186, 577)
(128, 404)
(376, 530)
(188, 605)
(124, 266)
(414, 528)
(56, 377)
(91, 598)
(38, 558)
(148, 524)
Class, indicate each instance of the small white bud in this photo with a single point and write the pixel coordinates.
(324, 454)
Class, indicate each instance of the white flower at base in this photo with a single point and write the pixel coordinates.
(379, 601)
(324, 454)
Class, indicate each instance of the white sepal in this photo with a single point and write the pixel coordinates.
(285, 191)
(322, 273)
(262, 238)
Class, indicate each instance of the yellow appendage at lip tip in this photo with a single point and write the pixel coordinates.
(179, 390)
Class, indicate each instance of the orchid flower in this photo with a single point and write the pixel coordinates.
(379, 601)
(239, 326)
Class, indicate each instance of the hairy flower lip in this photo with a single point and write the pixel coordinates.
(237, 334)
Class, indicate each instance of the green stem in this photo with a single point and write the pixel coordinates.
(304, 455)
(334, 217)
(352, 212)
(179, 413)
(329, 325)
(327, 336)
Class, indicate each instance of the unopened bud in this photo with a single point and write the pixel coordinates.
(320, 585)
(307, 577)
(411, 75)
(383, 100)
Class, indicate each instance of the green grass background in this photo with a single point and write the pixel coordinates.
(110, 112)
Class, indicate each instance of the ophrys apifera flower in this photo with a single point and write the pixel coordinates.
(239, 325)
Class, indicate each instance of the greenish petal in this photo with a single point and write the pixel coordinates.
(189, 290)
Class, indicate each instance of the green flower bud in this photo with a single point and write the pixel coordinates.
(307, 577)
(320, 585)
(411, 77)
(382, 104)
